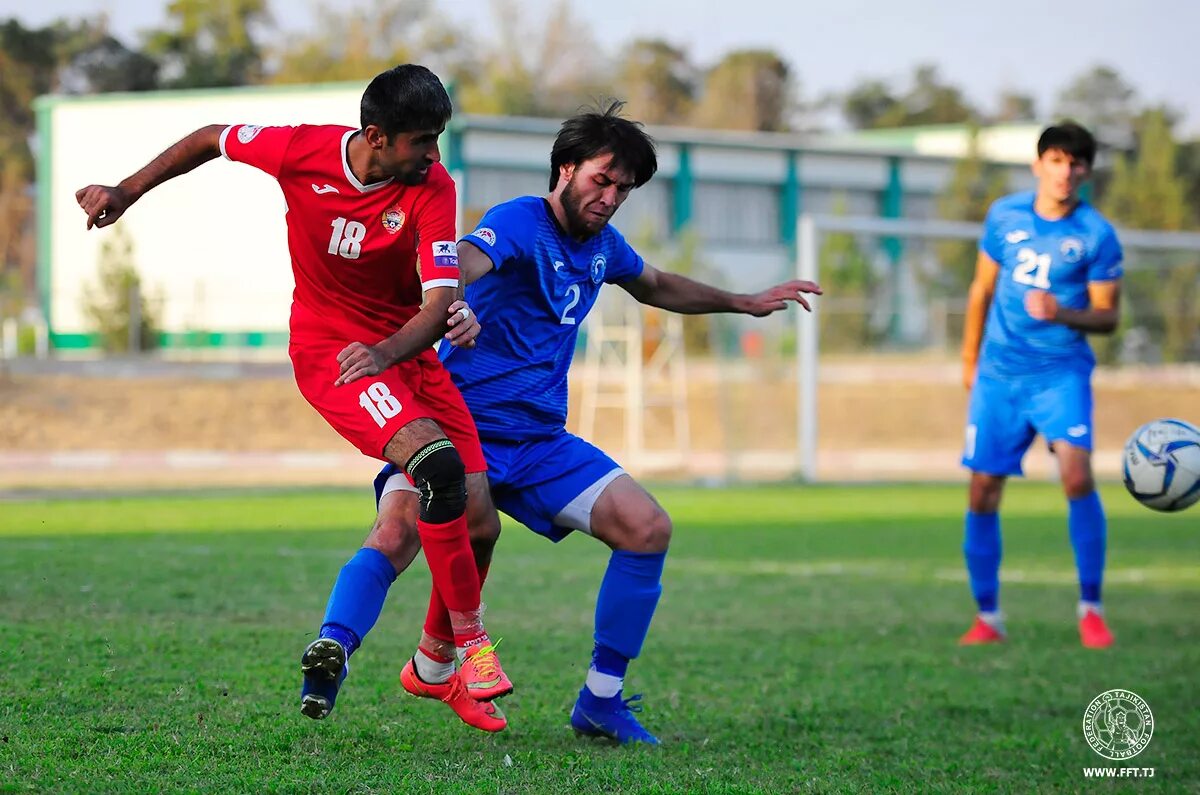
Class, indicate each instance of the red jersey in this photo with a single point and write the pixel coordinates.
(354, 247)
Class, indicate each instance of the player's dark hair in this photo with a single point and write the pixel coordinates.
(600, 132)
(405, 98)
(1069, 137)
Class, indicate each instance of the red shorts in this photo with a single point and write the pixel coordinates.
(369, 411)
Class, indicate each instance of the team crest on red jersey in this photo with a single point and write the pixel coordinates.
(393, 219)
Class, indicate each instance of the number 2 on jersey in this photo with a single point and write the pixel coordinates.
(1032, 269)
(346, 240)
(566, 320)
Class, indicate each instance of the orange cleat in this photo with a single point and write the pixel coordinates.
(982, 632)
(482, 675)
(1093, 632)
(480, 714)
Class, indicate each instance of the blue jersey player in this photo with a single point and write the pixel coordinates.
(535, 267)
(1049, 268)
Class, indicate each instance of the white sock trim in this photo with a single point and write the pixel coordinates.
(431, 670)
(603, 685)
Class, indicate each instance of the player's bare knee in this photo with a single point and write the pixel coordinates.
(396, 537)
(1078, 483)
(985, 493)
(644, 529)
(657, 534)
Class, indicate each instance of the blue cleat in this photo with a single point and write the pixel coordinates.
(610, 717)
(324, 666)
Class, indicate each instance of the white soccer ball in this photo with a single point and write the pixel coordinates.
(1162, 465)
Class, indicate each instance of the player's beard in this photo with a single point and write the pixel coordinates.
(577, 225)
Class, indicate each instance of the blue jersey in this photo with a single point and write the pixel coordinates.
(1034, 253)
(514, 380)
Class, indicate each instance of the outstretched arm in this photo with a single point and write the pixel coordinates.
(676, 293)
(105, 204)
(979, 299)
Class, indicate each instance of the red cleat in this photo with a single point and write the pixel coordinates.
(1093, 632)
(482, 675)
(981, 632)
(480, 714)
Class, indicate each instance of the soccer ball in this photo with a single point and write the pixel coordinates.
(1162, 465)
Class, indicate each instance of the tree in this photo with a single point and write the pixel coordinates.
(1102, 101)
(117, 305)
(357, 43)
(930, 101)
(65, 57)
(549, 68)
(747, 90)
(657, 81)
(1014, 106)
(1189, 172)
(1146, 191)
(27, 69)
(91, 60)
(873, 104)
(210, 44)
(867, 103)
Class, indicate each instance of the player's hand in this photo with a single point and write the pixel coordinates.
(968, 375)
(464, 325)
(776, 298)
(103, 204)
(358, 361)
(1041, 305)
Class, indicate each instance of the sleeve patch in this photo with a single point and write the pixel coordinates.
(486, 235)
(247, 132)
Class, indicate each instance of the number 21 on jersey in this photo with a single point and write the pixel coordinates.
(1032, 269)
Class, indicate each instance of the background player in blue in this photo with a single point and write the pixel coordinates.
(535, 267)
(1049, 268)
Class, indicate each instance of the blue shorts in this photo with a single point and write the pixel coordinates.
(1005, 415)
(549, 485)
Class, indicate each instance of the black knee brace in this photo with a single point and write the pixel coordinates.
(439, 474)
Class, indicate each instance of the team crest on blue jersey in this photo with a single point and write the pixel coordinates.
(393, 219)
(1072, 249)
(598, 264)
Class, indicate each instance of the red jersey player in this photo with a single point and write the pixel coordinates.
(363, 205)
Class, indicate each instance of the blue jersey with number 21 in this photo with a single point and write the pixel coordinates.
(514, 380)
(1034, 253)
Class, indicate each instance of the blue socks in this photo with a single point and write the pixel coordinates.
(625, 606)
(357, 598)
(609, 661)
(1089, 531)
(981, 548)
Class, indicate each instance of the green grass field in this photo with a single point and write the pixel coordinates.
(805, 642)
